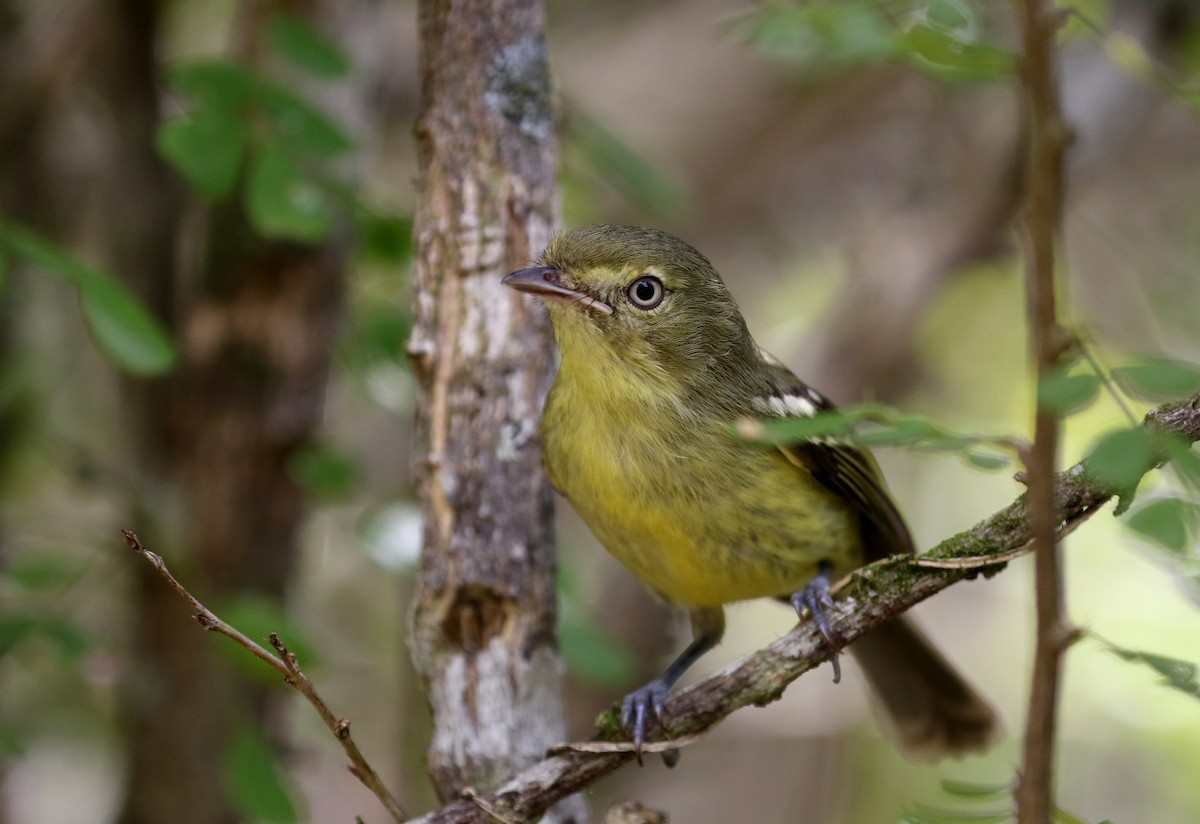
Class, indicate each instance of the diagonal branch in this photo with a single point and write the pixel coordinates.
(285, 663)
(871, 596)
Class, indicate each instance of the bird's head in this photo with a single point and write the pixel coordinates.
(641, 295)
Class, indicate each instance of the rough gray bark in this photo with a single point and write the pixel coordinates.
(483, 631)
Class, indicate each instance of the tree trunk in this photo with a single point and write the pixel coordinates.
(484, 631)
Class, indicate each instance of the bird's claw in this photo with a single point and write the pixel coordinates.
(642, 707)
(816, 599)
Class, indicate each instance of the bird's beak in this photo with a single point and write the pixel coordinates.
(546, 283)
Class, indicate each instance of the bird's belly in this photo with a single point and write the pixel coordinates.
(756, 527)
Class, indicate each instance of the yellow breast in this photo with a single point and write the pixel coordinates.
(697, 516)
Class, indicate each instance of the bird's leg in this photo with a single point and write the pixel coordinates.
(816, 599)
(646, 704)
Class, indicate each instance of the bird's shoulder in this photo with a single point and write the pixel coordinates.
(849, 471)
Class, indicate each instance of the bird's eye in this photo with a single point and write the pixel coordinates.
(646, 292)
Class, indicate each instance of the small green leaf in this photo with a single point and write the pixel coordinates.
(975, 789)
(594, 655)
(282, 201)
(935, 815)
(121, 325)
(1169, 522)
(38, 250)
(323, 471)
(1186, 463)
(38, 573)
(1177, 674)
(385, 238)
(986, 460)
(206, 147)
(14, 629)
(124, 329)
(1121, 458)
(1159, 379)
(817, 37)
(943, 55)
(214, 84)
(299, 126)
(838, 423)
(3, 268)
(256, 783)
(1064, 817)
(1064, 394)
(306, 47)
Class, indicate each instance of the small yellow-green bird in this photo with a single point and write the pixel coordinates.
(657, 363)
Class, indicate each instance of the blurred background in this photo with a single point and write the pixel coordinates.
(851, 168)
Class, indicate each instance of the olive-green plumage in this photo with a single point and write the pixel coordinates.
(657, 363)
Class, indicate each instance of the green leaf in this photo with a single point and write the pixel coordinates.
(256, 783)
(282, 201)
(1186, 463)
(306, 47)
(1169, 522)
(820, 36)
(1064, 394)
(1159, 379)
(300, 127)
(3, 268)
(38, 250)
(124, 329)
(122, 326)
(1064, 817)
(206, 147)
(38, 573)
(385, 238)
(15, 628)
(944, 56)
(214, 83)
(323, 471)
(594, 655)
(986, 460)
(908, 429)
(1178, 675)
(837, 423)
(975, 789)
(935, 815)
(1121, 458)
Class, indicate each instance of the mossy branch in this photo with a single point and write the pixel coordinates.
(866, 599)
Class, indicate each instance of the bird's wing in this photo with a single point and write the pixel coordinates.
(848, 471)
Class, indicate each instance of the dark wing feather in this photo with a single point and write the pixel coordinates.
(852, 475)
(847, 471)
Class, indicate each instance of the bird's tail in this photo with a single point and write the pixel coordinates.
(927, 707)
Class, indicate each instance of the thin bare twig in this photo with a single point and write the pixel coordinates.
(286, 665)
(1047, 143)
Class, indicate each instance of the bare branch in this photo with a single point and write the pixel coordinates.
(1047, 143)
(286, 665)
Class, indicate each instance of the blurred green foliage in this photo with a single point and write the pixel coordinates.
(121, 325)
(256, 782)
(244, 125)
(945, 39)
